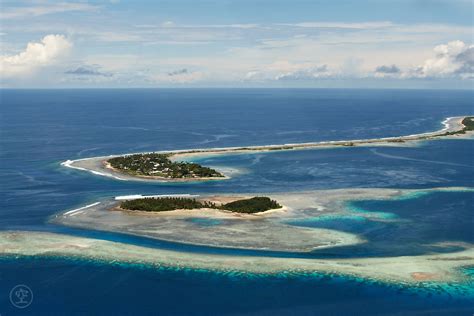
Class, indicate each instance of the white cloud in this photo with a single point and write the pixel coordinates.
(316, 72)
(36, 55)
(28, 11)
(343, 25)
(455, 58)
(286, 70)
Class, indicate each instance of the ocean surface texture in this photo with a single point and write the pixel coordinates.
(41, 128)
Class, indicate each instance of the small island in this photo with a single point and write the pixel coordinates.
(165, 167)
(156, 165)
(151, 204)
(468, 126)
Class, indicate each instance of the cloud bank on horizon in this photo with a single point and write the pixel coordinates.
(237, 43)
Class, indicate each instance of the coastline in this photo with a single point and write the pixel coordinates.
(163, 179)
(430, 267)
(211, 227)
(96, 165)
(216, 213)
(407, 270)
(271, 230)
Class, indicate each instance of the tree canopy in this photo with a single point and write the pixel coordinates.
(252, 205)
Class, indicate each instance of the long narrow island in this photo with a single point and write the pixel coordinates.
(166, 166)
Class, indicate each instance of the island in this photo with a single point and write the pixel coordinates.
(243, 221)
(468, 126)
(151, 204)
(157, 165)
(265, 231)
(165, 166)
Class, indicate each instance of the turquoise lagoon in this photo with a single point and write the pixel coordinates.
(41, 128)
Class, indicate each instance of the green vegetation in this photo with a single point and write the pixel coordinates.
(468, 123)
(165, 204)
(396, 140)
(252, 205)
(160, 165)
(281, 148)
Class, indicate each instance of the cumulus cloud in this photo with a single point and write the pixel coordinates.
(87, 71)
(306, 73)
(389, 71)
(393, 69)
(178, 72)
(454, 60)
(286, 70)
(451, 60)
(466, 60)
(36, 55)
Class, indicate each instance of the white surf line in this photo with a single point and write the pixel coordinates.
(139, 196)
(445, 122)
(76, 213)
(448, 124)
(80, 209)
(69, 164)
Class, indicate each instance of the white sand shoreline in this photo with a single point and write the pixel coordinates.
(235, 230)
(95, 165)
(264, 231)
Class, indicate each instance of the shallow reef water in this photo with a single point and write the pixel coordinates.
(42, 128)
(277, 292)
(205, 221)
(371, 214)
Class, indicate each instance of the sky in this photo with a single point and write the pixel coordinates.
(237, 43)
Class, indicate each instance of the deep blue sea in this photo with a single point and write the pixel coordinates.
(41, 128)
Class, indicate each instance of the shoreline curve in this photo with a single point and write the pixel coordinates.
(95, 165)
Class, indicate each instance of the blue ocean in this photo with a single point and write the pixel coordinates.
(39, 129)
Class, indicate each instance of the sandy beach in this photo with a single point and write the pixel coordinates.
(262, 231)
(208, 212)
(210, 227)
(99, 166)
